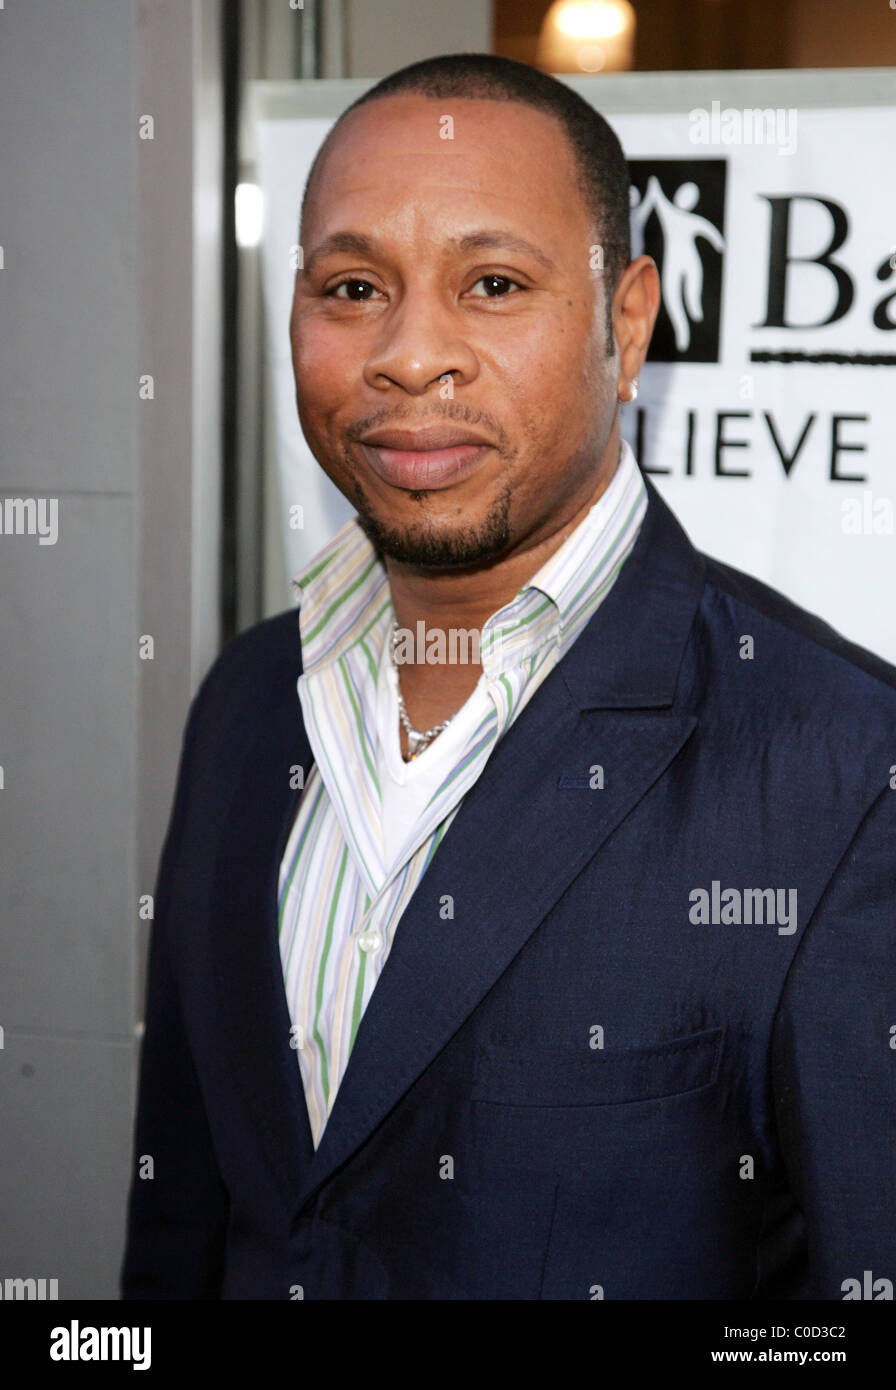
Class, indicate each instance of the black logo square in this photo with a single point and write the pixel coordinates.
(678, 218)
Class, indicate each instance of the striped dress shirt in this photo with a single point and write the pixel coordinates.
(368, 824)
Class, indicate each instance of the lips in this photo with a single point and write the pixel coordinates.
(419, 460)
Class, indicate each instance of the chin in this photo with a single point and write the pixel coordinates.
(455, 544)
(426, 548)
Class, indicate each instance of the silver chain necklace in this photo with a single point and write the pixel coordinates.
(417, 741)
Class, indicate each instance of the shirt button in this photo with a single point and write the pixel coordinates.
(370, 941)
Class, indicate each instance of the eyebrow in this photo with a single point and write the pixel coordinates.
(353, 243)
(503, 241)
(357, 244)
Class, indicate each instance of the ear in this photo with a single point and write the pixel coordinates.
(636, 303)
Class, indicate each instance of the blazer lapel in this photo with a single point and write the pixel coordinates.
(528, 827)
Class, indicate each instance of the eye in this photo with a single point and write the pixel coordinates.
(358, 291)
(496, 286)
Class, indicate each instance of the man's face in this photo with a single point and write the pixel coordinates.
(448, 330)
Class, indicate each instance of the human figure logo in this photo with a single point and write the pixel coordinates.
(677, 217)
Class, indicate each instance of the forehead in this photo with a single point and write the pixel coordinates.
(406, 153)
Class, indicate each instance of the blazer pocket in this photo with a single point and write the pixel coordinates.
(510, 1075)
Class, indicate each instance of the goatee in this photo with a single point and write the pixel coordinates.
(423, 547)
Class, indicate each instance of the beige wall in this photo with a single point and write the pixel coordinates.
(842, 34)
(684, 35)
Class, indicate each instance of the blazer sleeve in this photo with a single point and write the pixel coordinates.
(177, 1217)
(834, 1068)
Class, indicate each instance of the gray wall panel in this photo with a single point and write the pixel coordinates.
(67, 899)
(98, 286)
(65, 1159)
(386, 34)
(68, 229)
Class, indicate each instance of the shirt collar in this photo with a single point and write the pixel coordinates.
(563, 574)
(341, 594)
(575, 577)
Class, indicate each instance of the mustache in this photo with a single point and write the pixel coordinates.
(455, 411)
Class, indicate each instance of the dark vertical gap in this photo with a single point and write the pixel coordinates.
(230, 324)
(319, 39)
(297, 45)
(347, 39)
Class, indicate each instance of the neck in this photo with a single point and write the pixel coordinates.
(466, 600)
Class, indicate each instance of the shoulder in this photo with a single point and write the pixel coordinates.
(254, 672)
(792, 709)
(801, 658)
(269, 649)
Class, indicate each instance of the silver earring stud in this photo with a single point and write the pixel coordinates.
(634, 395)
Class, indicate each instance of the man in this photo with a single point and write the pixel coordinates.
(564, 971)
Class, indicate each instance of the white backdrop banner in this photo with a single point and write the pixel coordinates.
(767, 411)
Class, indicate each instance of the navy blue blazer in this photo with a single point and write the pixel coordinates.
(598, 1078)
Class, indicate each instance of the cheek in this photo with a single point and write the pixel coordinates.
(325, 367)
(556, 379)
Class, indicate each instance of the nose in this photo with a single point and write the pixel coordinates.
(420, 343)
